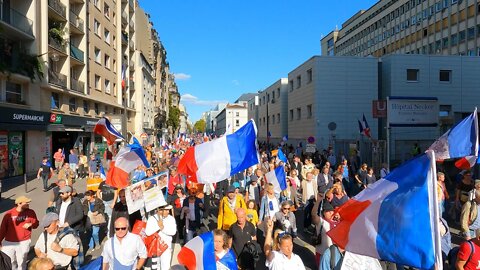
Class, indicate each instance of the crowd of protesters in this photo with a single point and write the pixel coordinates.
(252, 217)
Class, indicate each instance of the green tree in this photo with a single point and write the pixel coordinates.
(200, 125)
(173, 118)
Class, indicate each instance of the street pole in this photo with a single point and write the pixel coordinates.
(268, 130)
(124, 117)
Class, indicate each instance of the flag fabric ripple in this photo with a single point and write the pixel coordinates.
(278, 178)
(107, 130)
(393, 219)
(127, 159)
(216, 160)
(199, 254)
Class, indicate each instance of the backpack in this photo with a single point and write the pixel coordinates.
(453, 254)
(77, 261)
(5, 261)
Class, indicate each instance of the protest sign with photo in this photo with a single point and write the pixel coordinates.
(134, 196)
(153, 198)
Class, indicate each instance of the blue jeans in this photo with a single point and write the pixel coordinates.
(94, 240)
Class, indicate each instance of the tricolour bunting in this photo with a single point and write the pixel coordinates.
(107, 130)
(461, 141)
(278, 178)
(127, 159)
(363, 127)
(216, 160)
(199, 254)
(394, 218)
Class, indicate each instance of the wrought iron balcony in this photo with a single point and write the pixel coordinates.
(17, 20)
(57, 78)
(77, 86)
(60, 8)
(77, 53)
(76, 21)
(55, 44)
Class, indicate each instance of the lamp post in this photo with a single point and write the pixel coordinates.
(268, 128)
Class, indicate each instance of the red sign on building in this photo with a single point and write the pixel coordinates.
(379, 109)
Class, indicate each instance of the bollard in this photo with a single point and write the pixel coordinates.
(25, 181)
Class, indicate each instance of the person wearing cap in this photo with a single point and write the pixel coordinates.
(322, 217)
(55, 195)
(227, 207)
(164, 224)
(16, 232)
(44, 172)
(69, 210)
(60, 251)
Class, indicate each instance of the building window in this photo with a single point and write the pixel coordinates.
(97, 108)
(412, 75)
(299, 113)
(445, 75)
(273, 95)
(96, 3)
(445, 43)
(273, 119)
(97, 55)
(309, 111)
(72, 103)
(278, 92)
(97, 82)
(291, 115)
(237, 114)
(471, 32)
(107, 36)
(461, 35)
(55, 101)
(237, 122)
(107, 86)
(309, 76)
(13, 92)
(96, 27)
(299, 81)
(278, 118)
(106, 11)
(86, 107)
(107, 61)
(291, 85)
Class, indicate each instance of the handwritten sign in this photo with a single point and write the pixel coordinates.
(353, 261)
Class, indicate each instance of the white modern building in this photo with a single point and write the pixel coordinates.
(144, 94)
(183, 119)
(231, 118)
(211, 122)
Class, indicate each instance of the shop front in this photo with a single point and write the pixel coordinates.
(22, 140)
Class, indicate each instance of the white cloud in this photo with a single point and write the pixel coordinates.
(191, 99)
(236, 82)
(182, 76)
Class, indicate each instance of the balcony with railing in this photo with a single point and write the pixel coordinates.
(132, 65)
(77, 23)
(77, 86)
(131, 85)
(147, 125)
(12, 18)
(131, 46)
(59, 8)
(57, 78)
(57, 45)
(124, 17)
(132, 25)
(77, 53)
(124, 39)
(132, 5)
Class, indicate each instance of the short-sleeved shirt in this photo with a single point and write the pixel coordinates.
(281, 262)
(241, 236)
(61, 259)
(465, 251)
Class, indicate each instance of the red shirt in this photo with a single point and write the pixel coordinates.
(58, 156)
(172, 182)
(12, 225)
(465, 251)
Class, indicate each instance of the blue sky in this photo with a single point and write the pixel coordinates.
(221, 49)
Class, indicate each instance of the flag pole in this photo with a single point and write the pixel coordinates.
(432, 182)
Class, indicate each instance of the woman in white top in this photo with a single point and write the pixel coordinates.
(164, 224)
(224, 257)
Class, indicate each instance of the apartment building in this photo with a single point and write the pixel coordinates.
(211, 122)
(183, 128)
(231, 118)
(272, 105)
(441, 27)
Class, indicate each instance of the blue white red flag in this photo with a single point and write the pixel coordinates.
(103, 175)
(278, 178)
(363, 127)
(199, 254)
(107, 130)
(285, 138)
(93, 265)
(124, 76)
(461, 142)
(216, 160)
(396, 218)
(281, 156)
(127, 159)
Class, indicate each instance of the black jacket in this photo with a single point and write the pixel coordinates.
(74, 216)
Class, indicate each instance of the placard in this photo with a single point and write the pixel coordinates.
(153, 198)
(134, 196)
(353, 261)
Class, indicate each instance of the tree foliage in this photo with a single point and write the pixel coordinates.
(200, 125)
(173, 118)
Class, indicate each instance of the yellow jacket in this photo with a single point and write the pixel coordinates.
(252, 216)
(226, 215)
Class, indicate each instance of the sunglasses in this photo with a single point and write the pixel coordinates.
(121, 229)
(286, 208)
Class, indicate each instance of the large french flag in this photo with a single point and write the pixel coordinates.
(107, 130)
(216, 160)
(396, 218)
(460, 142)
(127, 159)
(199, 254)
(278, 178)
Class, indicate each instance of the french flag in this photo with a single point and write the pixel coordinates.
(278, 178)
(396, 218)
(107, 130)
(103, 175)
(199, 254)
(363, 127)
(216, 160)
(282, 156)
(127, 159)
(460, 142)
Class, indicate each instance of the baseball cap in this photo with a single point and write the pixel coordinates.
(22, 199)
(231, 189)
(327, 207)
(167, 207)
(48, 219)
(65, 189)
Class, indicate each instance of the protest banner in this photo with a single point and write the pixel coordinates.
(353, 261)
(134, 196)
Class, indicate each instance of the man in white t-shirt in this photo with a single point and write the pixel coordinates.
(284, 258)
(62, 252)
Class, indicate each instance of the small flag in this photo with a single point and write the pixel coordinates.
(285, 138)
(269, 134)
(53, 104)
(124, 71)
(107, 130)
(363, 127)
(278, 178)
(282, 156)
(102, 173)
